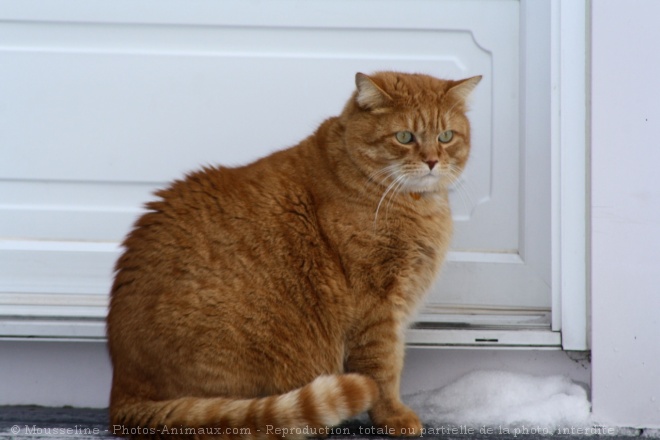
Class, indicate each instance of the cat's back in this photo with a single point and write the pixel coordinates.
(221, 233)
(212, 208)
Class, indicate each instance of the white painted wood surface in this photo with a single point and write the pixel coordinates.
(569, 172)
(625, 208)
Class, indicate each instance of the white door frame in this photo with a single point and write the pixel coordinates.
(569, 171)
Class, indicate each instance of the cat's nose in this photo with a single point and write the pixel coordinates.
(431, 163)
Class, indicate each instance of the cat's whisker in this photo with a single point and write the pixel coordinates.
(389, 188)
(460, 187)
(397, 190)
(381, 176)
(395, 182)
(463, 184)
(385, 176)
(388, 171)
(463, 197)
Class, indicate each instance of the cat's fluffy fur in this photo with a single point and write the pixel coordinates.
(277, 293)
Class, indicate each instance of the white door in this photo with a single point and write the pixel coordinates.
(100, 106)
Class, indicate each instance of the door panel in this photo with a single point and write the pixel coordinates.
(101, 107)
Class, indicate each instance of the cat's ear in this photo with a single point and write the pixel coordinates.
(369, 95)
(461, 89)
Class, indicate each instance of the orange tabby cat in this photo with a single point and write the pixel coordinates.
(275, 295)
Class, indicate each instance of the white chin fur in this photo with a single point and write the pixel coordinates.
(427, 183)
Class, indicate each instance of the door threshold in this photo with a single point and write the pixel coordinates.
(483, 326)
(483, 338)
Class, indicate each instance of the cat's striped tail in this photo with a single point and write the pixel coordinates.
(309, 411)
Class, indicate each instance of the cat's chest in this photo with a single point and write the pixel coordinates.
(411, 248)
(399, 254)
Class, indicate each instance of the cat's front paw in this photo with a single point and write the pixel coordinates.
(402, 423)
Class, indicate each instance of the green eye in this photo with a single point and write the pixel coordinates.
(405, 137)
(446, 136)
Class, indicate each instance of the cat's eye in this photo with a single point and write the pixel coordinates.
(405, 137)
(446, 136)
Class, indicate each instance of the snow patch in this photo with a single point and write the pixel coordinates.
(504, 399)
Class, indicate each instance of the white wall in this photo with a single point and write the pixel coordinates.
(625, 230)
(53, 373)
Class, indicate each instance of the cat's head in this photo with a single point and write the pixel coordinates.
(409, 132)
